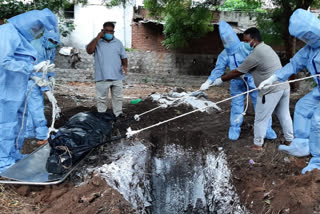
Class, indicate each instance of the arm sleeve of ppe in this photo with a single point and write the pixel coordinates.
(9, 43)
(296, 64)
(249, 63)
(219, 69)
(123, 54)
(53, 56)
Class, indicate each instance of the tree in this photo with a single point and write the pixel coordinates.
(184, 20)
(275, 22)
(274, 26)
(10, 8)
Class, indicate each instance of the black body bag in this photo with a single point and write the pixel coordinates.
(83, 132)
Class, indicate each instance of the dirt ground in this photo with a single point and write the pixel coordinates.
(266, 182)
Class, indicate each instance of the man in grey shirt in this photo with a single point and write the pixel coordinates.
(262, 63)
(109, 60)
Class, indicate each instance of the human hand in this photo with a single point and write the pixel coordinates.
(125, 69)
(217, 82)
(49, 67)
(205, 85)
(39, 81)
(100, 34)
(268, 82)
(40, 65)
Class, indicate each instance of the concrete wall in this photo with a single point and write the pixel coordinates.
(145, 67)
(89, 19)
(240, 19)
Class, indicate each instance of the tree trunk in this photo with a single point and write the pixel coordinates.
(290, 47)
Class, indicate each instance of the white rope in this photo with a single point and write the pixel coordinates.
(23, 115)
(247, 104)
(131, 132)
(55, 114)
(137, 116)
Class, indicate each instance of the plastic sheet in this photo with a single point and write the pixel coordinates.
(83, 132)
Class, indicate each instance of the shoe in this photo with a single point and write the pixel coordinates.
(234, 133)
(298, 148)
(314, 163)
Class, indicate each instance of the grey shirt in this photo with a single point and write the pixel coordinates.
(107, 60)
(262, 63)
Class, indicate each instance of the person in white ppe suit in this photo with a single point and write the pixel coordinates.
(17, 62)
(232, 56)
(262, 63)
(36, 122)
(305, 26)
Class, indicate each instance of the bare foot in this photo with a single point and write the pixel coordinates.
(256, 148)
(287, 143)
(41, 142)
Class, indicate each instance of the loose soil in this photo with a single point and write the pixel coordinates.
(266, 182)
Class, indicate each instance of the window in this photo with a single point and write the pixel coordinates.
(69, 12)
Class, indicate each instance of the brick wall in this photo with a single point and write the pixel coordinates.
(148, 37)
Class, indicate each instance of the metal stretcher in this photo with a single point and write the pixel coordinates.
(31, 170)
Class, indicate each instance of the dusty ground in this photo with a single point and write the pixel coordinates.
(272, 184)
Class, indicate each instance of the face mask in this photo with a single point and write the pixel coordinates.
(248, 46)
(51, 45)
(108, 36)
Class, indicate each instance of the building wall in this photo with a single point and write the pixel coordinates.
(241, 19)
(144, 67)
(148, 37)
(88, 20)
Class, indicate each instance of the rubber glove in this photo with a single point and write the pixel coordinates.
(41, 65)
(50, 67)
(39, 81)
(205, 85)
(268, 82)
(217, 82)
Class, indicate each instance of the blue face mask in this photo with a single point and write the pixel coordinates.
(51, 45)
(108, 36)
(247, 46)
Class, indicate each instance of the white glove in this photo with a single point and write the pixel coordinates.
(51, 98)
(50, 67)
(205, 85)
(217, 82)
(52, 82)
(268, 82)
(39, 81)
(40, 66)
